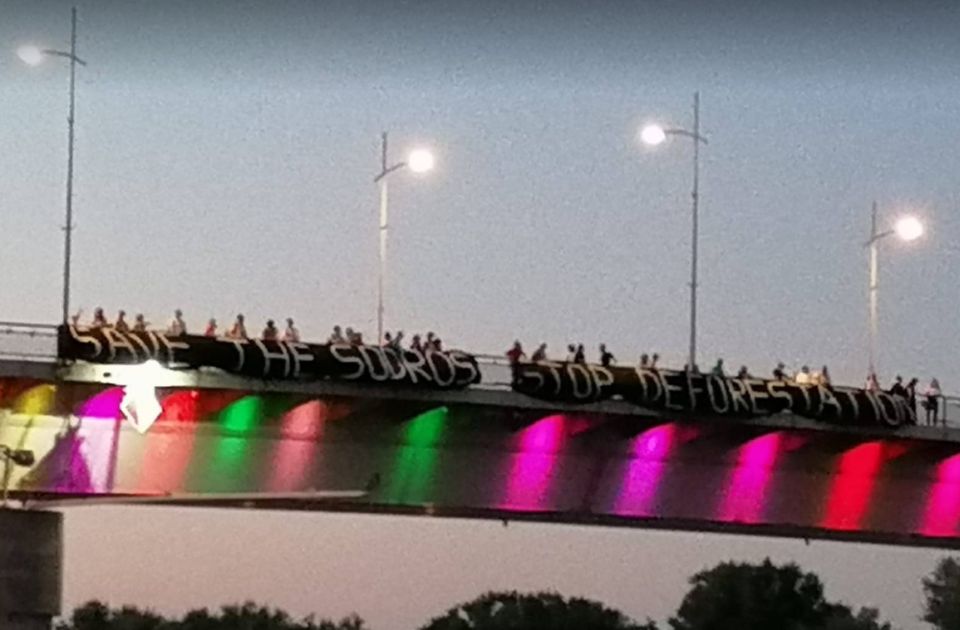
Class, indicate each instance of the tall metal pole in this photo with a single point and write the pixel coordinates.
(695, 228)
(872, 290)
(68, 227)
(383, 236)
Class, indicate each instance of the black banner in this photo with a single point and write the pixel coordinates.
(271, 359)
(683, 392)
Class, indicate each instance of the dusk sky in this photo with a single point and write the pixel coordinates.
(224, 163)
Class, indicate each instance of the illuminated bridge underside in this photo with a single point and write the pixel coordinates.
(446, 454)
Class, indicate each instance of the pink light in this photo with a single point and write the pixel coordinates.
(649, 454)
(942, 513)
(300, 432)
(744, 494)
(169, 443)
(104, 405)
(531, 470)
(852, 485)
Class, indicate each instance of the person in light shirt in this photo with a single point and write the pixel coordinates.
(211, 330)
(177, 326)
(803, 376)
(291, 334)
(239, 329)
(270, 332)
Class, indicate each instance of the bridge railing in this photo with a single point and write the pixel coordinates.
(38, 342)
(27, 341)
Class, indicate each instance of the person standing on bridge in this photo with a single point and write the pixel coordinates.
(540, 354)
(580, 356)
(177, 327)
(912, 395)
(514, 354)
(291, 334)
(239, 329)
(270, 332)
(122, 326)
(932, 402)
(99, 319)
(718, 368)
(606, 357)
(897, 389)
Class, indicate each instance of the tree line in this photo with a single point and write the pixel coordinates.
(729, 596)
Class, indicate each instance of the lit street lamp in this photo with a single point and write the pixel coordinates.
(418, 161)
(32, 55)
(654, 135)
(907, 228)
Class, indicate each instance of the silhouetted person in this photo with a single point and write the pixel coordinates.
(396, 344)
(653, 361)
(337, 336)
(717, 368)
(932, 403)
(778, 373)
(99, 320)
(912, 394)
(825, 376)
(540, 354)
(571, 353)
(387, 340)
(606, 357)
(416, 344)
(580, 356)
(644, 360)
(177, 326)
(211, 330)
(437, 344)
(139, 323)
(897, 389)
(290, 333)
(122, 325)
(239, 329)
(270, 331)
(428, 343)
(514, 354)
(744, 372)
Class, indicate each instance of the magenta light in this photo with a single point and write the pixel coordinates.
(531, 470)
(104, 405)
(941, 516)
(744, 496)
(649, 453)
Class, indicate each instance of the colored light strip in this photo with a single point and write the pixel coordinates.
(38, 400)
(941, 517)
(414, 467)
(169, 444)
(649, 453)
(852, 485)
(531, 470)
(744, 496)
(300, 433)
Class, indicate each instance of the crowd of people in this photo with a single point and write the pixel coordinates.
(929, 399)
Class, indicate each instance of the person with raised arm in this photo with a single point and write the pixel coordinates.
(121, 324)
(606, 357)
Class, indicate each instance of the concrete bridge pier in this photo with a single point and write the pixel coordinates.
(31, 561)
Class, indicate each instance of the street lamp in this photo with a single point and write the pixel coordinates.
(418, 161)
(654, 135)
(907, 228)
(32, 55)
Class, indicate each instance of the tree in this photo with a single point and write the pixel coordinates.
(734, 596)
(942, 592)
(249, 616)
(540, 611)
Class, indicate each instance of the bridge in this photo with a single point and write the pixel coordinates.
(253, 424)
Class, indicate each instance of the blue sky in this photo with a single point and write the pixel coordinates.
(225, 153)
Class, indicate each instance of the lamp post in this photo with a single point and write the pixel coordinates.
(907, 228)
(33, 55)
(654, 135)
(418, 161)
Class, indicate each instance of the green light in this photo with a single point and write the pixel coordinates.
(416, 461)
(242, 415)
